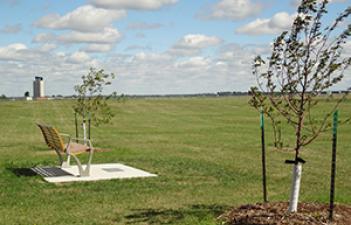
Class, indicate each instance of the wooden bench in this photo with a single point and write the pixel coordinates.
(71, 148)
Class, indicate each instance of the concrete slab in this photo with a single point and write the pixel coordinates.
(107, 171)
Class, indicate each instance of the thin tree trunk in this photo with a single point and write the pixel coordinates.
(279, 138)
(275, 135)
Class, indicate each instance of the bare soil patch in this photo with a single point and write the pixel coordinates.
(276, 214)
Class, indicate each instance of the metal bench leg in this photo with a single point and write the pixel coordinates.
(83, 172)
(67, 163)
(87, 168)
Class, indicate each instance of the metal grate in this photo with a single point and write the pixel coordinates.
(50, 171)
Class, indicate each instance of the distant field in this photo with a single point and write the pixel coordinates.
(206, 152)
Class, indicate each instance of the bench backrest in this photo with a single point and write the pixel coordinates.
(52, 138)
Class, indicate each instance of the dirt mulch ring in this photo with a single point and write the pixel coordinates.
(276, 214)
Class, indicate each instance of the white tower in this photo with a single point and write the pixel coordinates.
(38, 87)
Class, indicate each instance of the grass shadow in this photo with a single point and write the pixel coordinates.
(170, 216)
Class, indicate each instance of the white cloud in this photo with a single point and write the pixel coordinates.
(160, 73)
(103, 41)
(194, 62)
(192, 44)
(143, 26)
(11, 29)
(15, 52)
(19, 52)
(46, 47)
(142, 57)
(16, 47)
(44, 38)
(98, 48)
(133, 4)
(347, 47)
(137, 47)
(228, 69)
(279, 22)
(107, 36)
(79, 57)
(20, 63)
(86, 18)
(232, 10)
(198, 41)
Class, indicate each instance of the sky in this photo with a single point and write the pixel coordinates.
(152, 46)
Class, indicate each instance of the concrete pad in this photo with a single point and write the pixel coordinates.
(97, 172)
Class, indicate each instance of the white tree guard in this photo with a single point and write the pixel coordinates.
(295, 188)
(84, 132)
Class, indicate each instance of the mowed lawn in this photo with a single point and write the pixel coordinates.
(206, 152)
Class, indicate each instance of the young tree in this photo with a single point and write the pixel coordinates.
(91, 102)
(305, 63)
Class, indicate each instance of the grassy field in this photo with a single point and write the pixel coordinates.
(206, 152)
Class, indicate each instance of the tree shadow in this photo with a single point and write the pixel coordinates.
(169, 216)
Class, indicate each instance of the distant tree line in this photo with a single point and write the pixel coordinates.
(218, 94)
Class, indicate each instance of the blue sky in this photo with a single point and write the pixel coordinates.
(153, 46)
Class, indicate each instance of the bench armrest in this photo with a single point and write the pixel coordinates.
(82, 140)
(67, 137)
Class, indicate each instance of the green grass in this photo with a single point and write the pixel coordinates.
(206, 152)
